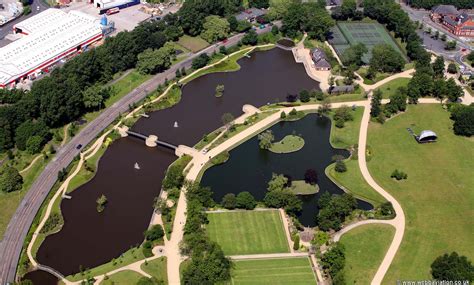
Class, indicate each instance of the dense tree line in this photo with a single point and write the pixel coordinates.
(208, 264)
(333, 262)
(312, 18)
(452, 267)
(463, 117)
(428, 4)
(333, 210)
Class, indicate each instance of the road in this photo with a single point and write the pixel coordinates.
(8, 27)
(12, 243)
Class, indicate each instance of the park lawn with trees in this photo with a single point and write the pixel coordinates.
(123, 277)
(156, 268)
(365, 248)
(194, 44)
(288, 144)
(300, 187)
(390, 88)
(436, 197)
(248, 232)
(352, 179)
(273, 271)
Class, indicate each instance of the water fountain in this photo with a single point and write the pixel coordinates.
(175, 124)
(136, 166)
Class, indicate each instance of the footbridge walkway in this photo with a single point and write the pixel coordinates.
(152, 139)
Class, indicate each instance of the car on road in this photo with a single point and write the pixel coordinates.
(79, 146)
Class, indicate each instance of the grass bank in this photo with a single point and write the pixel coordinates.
(390, 88)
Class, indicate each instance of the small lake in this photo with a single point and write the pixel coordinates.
(249, 168)
(40, 277)
(89, 238)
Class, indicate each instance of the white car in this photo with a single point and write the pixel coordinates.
(205, 150)
(37, 8)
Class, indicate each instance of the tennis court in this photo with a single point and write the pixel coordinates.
(345, 34)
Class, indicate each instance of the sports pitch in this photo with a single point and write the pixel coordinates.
(293, 271)
(345, 34)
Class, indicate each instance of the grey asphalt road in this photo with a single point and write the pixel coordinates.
(12, 243)
(8, 27)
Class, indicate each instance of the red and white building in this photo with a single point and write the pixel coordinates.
(457, 23)
(47, 38)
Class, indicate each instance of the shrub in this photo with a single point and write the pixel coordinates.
(147, 249)
(340, 166)
(200, 61)
(293, 112)
(399, 175)
(296, 242)
(452, 68)
(304, 96)
(154, 233)
(339, 123)
(282, 115)
(229, 201)
(245, 200)
(311, 177)
(10, 180)
(52, 224)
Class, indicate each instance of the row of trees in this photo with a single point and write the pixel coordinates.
(312, 18)
(333, 210)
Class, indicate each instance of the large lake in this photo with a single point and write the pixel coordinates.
(88, 238)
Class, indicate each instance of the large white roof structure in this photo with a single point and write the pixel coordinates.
(50, 35)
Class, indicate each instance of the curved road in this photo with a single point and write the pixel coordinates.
(12, 243)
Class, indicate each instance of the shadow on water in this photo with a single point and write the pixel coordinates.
(89, 238)
(40, 277)
(249, 168)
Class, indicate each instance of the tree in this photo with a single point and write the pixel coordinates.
(353, 55)
(343, 113)
(444, 37)
(215, 28)
(452, 68)
(438, 66)
(95, 96)
(453, 91)
(250, 38)
(296, 242)
(311, 18)
(229, 201)
(259, 3)
(154, 233)
(452, 267)
(278, 182)
(450, 45)
(311, 177)
(223, 50)
(10, 180)
(376, 103)
(227, 119)
(282, 115)
(29, 129)
(334, 260)
(265, 139)
(283, 198)
(101, 202)
(304, 96)
(200, 61)
(340, 166)
(153, 61)
(463, 117)
(34, 144)
(278, 9)
(386, 59)
(245, 200)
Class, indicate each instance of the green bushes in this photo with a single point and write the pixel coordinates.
(10, 180)
(174, 176)
(154, 233)
(333, 210)
(53, 223)
(452, 267)
(101, 202)
(399, 175)
(333, 262)
(296, 242)
(229, 201)
(245, 200)
(340, 166)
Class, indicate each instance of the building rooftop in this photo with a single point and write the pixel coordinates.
(50, 34)
(250, 13)
(427, 134)
(445, 10)
(319, 58)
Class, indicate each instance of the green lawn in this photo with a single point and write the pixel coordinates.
(288, 144)
(389, 88)
(437, 197)
(248, 232)
(352, 179)
(157, 269)
(193, 44)
(125, 277)
(273, 271)
(365, 249)
(300, 187)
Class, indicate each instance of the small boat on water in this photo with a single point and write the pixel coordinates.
(136, 166)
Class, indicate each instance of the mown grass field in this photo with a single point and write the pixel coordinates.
(157, 269)
(391, 87)
(193, 44)
(365, 248)
(289, 143)
(248, 232)
(273, 271)
(437, 197)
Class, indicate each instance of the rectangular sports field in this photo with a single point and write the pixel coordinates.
(248, 232)
(273, 271)
(345, 34)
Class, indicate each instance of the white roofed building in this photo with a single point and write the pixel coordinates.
(48, 37)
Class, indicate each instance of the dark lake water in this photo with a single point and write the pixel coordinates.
(89, 238)
(40, 277)
(249, 168)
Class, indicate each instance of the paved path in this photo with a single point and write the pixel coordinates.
(31, 164)
(268, 255)
(17, 229)
(350, 227)
(286, 228)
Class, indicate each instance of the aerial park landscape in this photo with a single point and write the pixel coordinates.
(251, 162)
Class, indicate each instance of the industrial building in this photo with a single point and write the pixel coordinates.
(47, 38)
